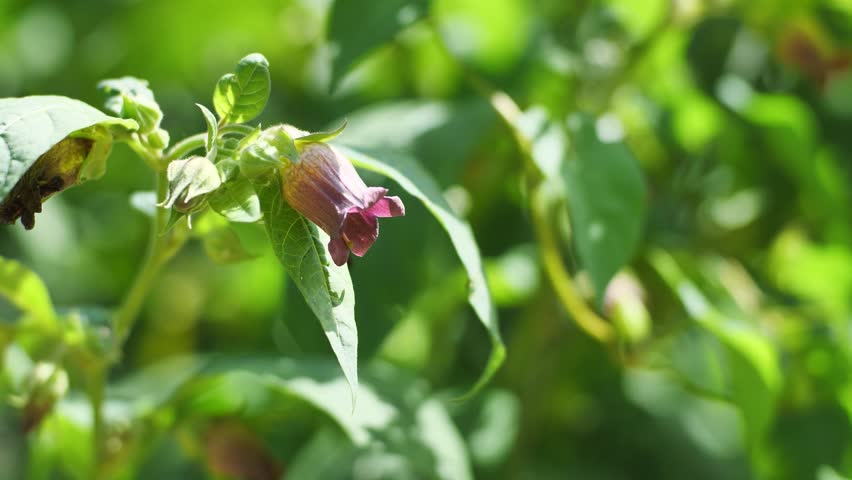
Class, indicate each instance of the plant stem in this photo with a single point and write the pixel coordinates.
(161, 248)
(185, 146)
(198, 140)
(96, 390)
(554, 265)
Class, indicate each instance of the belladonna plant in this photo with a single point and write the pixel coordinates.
(290, 183)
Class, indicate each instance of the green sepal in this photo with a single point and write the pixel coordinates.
(210, 143)
(317, 137)
(174, 218)
(271, 150)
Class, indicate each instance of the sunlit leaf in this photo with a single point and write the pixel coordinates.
(47, 144)
(411, 176)
(130, 98)
(391, 411)
(326, 287)
(241, 96)
(321, 136)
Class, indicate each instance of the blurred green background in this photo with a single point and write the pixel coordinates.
(735, 315)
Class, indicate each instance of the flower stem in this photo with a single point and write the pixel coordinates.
(161, 248)
(554, 265)
(197, 141)
(96, 390)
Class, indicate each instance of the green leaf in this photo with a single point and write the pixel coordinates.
(410, 176)
(148, 389)
(327, 288)
(427, 445)
(393, 412)
(210, 143)
(356, 28)
(321, 136)
(48, 143)
(241, 96)
(223, 245)
(129, 97)
(25, 291)
(237, 201)
(751, 361)
(606, 195)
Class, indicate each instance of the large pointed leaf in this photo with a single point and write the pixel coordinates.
(327, 288)
(606, 195)
(29, 126)
(415, 180)
(357, 27)
(72, 139)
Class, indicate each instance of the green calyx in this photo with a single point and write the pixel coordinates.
(190, 180)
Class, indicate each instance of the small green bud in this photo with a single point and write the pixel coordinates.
(158, 139)
(624, 303)
(190, 181)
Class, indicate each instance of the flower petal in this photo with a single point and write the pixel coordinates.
(388, 207)
(373, 195)
(338, 250)
(360, 230)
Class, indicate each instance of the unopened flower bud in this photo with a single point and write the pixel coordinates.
(190, 181)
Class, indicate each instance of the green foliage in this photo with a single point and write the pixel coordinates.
(270, 150)
(32, 125)
(320, 136)
(607, 198)
(130, 97)
(417, 182)
(23, 289)
(241, 96)
(237, 201)
(355, 28)
(327, 288)
(652, 196)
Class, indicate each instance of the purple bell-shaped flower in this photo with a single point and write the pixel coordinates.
(324, 187)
